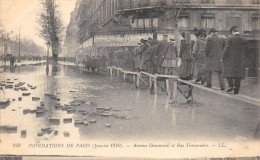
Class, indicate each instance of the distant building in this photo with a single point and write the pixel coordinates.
(119, 23)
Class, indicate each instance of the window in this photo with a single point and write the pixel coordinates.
(256, 1)
(183, 22)
(140, 23)
(233, 1)
(255, 23)
(234, 20)
(146, 23)
(208, 1)
(155, 23)
(208, 21)
(182, 1)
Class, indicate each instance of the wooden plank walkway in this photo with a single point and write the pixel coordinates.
(173, 85)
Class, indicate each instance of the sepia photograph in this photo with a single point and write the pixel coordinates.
(129, 79)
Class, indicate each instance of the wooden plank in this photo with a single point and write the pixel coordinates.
(148, 74)
(166, 76)
(237, 97)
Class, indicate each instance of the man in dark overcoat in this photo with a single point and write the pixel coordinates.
(234, 60)
(214, 50)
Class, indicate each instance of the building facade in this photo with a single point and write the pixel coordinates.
(103, 24)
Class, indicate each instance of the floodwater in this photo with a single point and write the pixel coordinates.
(113, 110)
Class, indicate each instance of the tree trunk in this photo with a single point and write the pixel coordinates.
(55, 57)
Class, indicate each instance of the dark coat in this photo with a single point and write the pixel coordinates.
(234, 57)
(185, 50)
(214, 50)
(159, 53)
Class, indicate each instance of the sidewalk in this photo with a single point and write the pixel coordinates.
(7, 64)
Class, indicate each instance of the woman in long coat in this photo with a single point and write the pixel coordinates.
(137, 56)
(199, 56)
(185, 55)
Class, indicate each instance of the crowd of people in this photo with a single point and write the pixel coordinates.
(196, 60)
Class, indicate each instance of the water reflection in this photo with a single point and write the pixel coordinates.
(131, 112)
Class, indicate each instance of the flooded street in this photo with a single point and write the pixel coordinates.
(72, 106)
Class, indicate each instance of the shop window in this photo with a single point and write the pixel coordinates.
(233, 1)
(208, 21)
(182, 1)
(208, 1)
(255, 23)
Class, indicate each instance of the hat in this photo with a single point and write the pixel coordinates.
(150, 38)
(142, 40)
(172, 39)
(234, 28)
(212, 30)
(139, 43)
(165, 35)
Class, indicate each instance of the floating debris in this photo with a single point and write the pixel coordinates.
(66, 134)
(35, 98)
(39, 113)
(85, 123)
(81, 111)
(9, 82)
(74, 104)
(8, 129)
(78, 123)
(67, 120)
(16, 89)
(71, 91)
(9, 86)
(54, 121)
(26, 94)
(13, 99)
(23, 133)
(39, 134)
(20, 98)
(65, 108)
(13, 109)
(42, 103)
(84, 113)
(69, 111)
(108, 125)
(93, 121)
(26, 111)
(40, 108)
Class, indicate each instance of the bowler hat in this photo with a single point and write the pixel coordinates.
(234, 28)
(212, 30)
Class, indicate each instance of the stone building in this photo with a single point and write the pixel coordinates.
(106, 24)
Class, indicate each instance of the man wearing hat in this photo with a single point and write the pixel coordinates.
(213, 51)
(234, 60)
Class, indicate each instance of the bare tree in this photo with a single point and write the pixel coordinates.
(50, 26)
